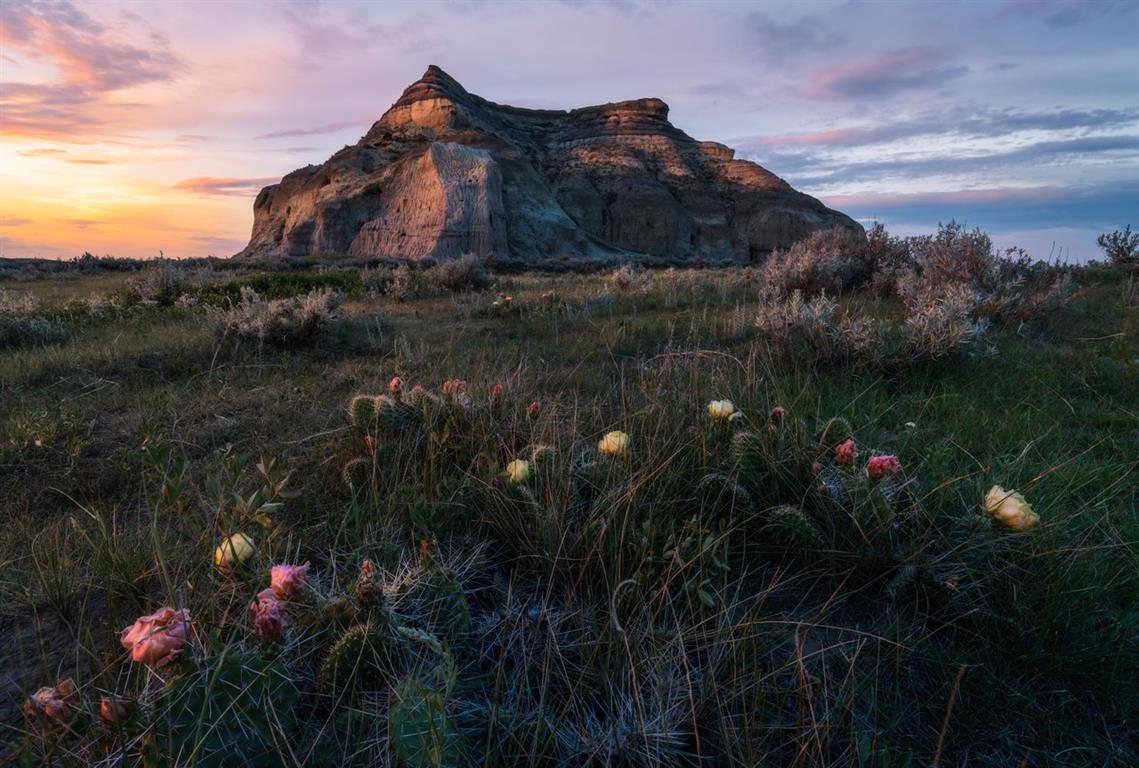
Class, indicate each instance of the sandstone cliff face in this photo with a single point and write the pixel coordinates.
(445, 172)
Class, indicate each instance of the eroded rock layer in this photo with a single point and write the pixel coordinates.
(445, 172)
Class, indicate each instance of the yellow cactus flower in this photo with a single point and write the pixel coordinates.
(721, 410)
(518, 471)
(233, 550)
(615, 443)
(1010, 509)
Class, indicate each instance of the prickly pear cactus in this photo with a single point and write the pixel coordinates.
(721, 496)
(420, 730)
(233, 709)
(444, 606)
(543, 458)
(362, 412)
(337, 611)
(788, 527)
(364, 655)
(421, 397)
(835, 431)
(357, 473)
(751, 456)
(397, 418)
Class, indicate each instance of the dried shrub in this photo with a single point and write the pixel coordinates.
(831, 260)
(409, 284)
(377, 281)
(17, 331)
(812, 327)
(941, 322)
(890, 257)
(13, 303)
(281, 322)
(468, 272)
(20, 326)
(628, 278)
(162, 284)
(1131, 291)
(1010, 286)
(937, 324)
(1121, 246)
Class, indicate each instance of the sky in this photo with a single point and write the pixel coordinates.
(140, 128)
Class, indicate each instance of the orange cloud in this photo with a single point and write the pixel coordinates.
(89, 60)
(210, 185)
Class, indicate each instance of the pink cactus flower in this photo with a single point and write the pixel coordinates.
(816, 468)
(882, 466)
(54, 706)
(157, 638)
(453, 386)
(846, 453)
(777, 414)
(115, 711)
(534, 409)
(268, 617)
(395, 386)
(288, 581)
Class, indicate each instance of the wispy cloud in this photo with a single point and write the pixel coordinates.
(79, 223)
(1098, 206)
(1063, 13)
(225, 186)
(62, 156)
(44, 152)
(777, 37)
(885, 75)
(891, 200)
(315, 131)
(979, 122)
(949, 163)
(315, 33)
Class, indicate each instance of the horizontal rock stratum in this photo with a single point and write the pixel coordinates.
(445, 172)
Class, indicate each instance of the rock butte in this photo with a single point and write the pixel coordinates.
(445, 172)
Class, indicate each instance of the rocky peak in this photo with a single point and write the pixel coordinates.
(445, 171)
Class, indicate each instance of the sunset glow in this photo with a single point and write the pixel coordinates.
(139, 128)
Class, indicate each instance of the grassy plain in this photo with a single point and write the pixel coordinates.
(637, 610)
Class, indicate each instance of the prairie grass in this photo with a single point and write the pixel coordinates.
(725, 592)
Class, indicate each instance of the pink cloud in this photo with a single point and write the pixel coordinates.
(225, 186)
(836, 136)
(913, 68)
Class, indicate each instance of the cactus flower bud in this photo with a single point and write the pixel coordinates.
(615, 443)
(518, 471)
(233, 551)
(721, 410)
